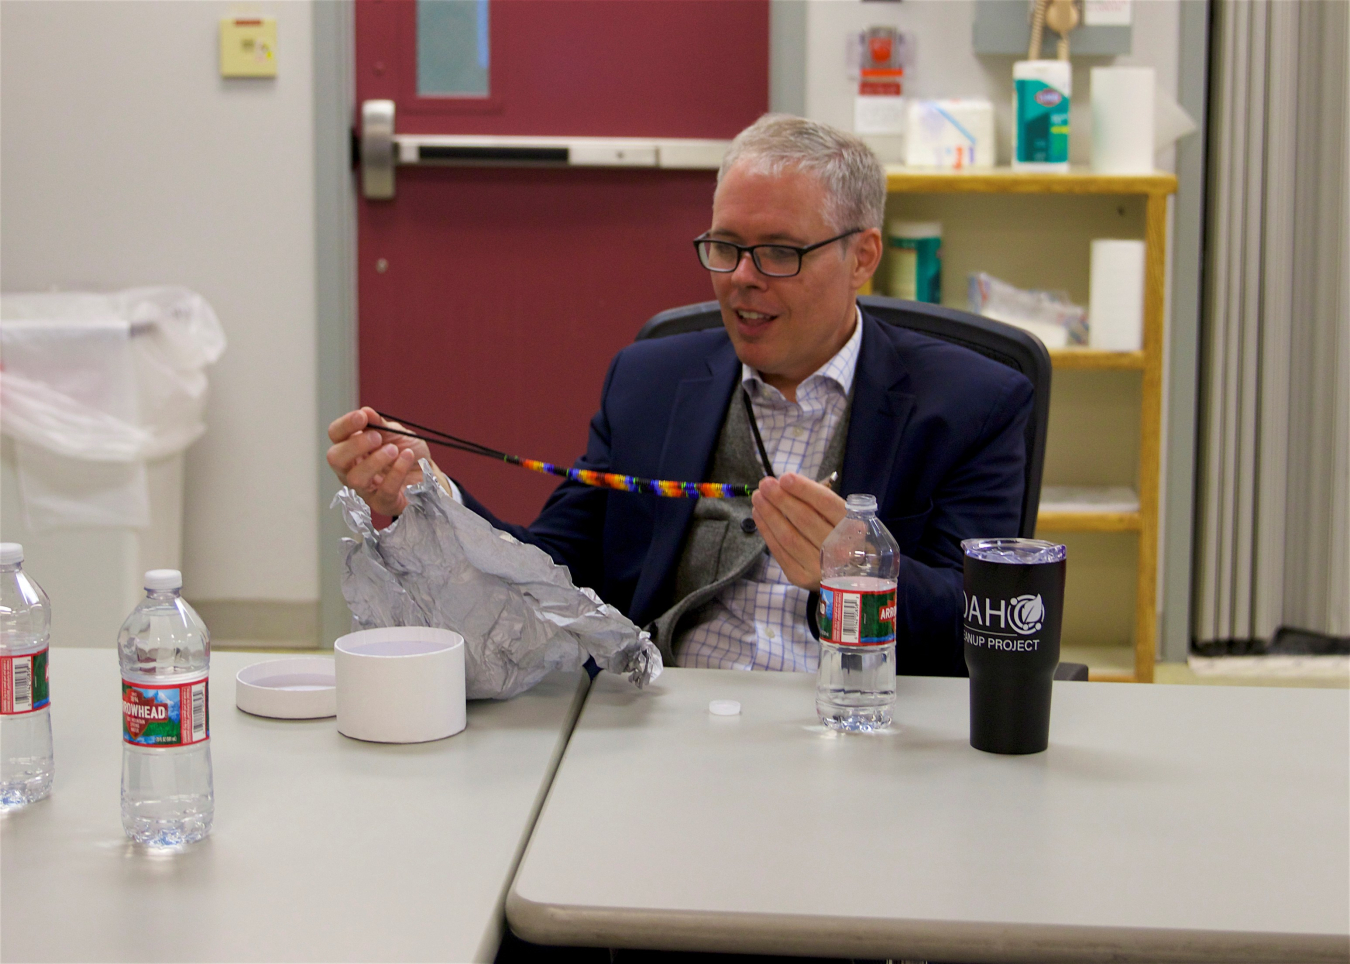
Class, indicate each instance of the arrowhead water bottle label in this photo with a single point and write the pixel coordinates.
(165, 715)
(23, 683)
(856, 617)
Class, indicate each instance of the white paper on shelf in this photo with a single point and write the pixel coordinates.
(956, 133)
(1053, 336)
(879, 114)
(1122, 120)
(1107, 13)
(1116, 295)
(1286, 667)
(1088, 498)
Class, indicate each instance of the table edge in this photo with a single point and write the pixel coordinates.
(487, 950)
(798, 935)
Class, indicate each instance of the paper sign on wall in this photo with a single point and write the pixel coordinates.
(880, 107)
(248, 47)
(1107, 13)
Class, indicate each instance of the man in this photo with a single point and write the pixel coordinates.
(934, 431)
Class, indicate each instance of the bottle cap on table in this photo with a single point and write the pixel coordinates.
(10, 553)
(158, 580)
(724, 708)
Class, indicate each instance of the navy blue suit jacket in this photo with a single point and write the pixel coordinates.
(936, 434)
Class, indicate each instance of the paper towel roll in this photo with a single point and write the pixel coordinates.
(1122, 120)
(1116, 296)
(403, 684)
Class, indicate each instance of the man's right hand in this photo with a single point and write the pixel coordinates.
(376, 465)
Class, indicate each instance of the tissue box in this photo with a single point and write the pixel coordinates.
(953, 134)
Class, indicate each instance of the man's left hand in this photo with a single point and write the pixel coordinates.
(794, 515)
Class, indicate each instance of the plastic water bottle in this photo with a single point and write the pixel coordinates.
(859, 566)
(167, 795)
(25, 703)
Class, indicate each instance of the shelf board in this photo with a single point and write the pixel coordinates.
(1088, 508)
(1050, 520)
(1096, 358)
(1004, 180)
(1106, 664)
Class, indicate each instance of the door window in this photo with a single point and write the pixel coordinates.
(452, 48)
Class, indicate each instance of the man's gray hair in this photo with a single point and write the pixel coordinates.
(854, 180)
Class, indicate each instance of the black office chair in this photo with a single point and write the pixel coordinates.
(1005, 344)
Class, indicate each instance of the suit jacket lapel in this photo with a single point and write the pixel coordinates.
(696, 417)
(881, 409)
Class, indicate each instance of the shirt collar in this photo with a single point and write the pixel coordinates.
(839, 369)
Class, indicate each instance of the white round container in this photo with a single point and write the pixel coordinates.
(404, 684)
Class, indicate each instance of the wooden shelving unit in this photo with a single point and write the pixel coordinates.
(1154, 190)
(1052, 520)
(1096, 358)
(1004, 180)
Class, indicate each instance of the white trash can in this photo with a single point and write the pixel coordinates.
(100, 394)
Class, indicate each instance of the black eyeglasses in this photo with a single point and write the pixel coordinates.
(774, 260)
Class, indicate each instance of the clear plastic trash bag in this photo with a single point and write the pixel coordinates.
(441, 565)
(94, 385)
(115, 377)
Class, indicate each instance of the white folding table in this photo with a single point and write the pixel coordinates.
(324, 848)
(1164, 823)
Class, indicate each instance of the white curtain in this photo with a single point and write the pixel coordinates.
(1273, 547)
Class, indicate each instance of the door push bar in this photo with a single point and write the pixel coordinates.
(381, 150)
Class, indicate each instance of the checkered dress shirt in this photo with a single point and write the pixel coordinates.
(759, 622)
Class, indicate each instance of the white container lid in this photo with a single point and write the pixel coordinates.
(914, 229)
(295, 688)
(158, 580)
(10, 553)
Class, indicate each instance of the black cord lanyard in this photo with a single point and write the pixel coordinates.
(754, 427)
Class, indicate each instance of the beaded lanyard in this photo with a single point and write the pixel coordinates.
(603, 480)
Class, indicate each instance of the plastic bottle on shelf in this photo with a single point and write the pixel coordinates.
(167, 795)
(859, 567)
(26, 761)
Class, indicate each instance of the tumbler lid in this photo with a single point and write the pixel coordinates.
(1018, 552)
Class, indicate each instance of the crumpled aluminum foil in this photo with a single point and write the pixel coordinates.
(441, 565)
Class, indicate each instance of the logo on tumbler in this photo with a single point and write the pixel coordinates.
(1026, 613)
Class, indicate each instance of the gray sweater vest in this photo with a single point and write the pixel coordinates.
(722, 544)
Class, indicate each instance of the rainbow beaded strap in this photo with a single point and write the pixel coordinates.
(602, 480)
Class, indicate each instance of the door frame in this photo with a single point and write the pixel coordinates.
(336, 386)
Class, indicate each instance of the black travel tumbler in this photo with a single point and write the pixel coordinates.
(1014, 603)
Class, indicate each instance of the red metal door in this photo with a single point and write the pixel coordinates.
(492, 299)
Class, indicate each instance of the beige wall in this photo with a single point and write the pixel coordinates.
(125, 159)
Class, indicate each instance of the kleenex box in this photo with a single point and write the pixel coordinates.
(953, 134)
